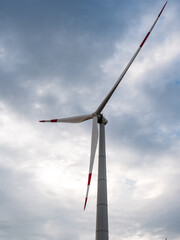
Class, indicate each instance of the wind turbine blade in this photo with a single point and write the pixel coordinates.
(76, 119)
(94, 140)
(106, 99)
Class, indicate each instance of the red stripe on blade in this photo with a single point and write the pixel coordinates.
(42, 121)
(144, 39)
(85, 203)
(162, 10)
(89, 178)
(54, 120)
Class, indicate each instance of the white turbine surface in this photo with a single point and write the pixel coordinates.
(102, 215)
(94, 140)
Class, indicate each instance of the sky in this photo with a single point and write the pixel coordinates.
(60, 59)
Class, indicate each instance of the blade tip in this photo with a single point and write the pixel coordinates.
(41, 120)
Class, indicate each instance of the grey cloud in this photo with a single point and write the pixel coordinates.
(54, 54)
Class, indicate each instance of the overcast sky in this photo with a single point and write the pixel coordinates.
(59, 59)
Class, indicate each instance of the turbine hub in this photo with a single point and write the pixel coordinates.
(101, 118)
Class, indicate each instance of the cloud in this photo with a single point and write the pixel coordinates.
(53, 60)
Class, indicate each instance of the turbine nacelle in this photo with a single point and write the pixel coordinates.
(100, 118)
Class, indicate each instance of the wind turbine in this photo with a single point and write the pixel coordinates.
(98, 118)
